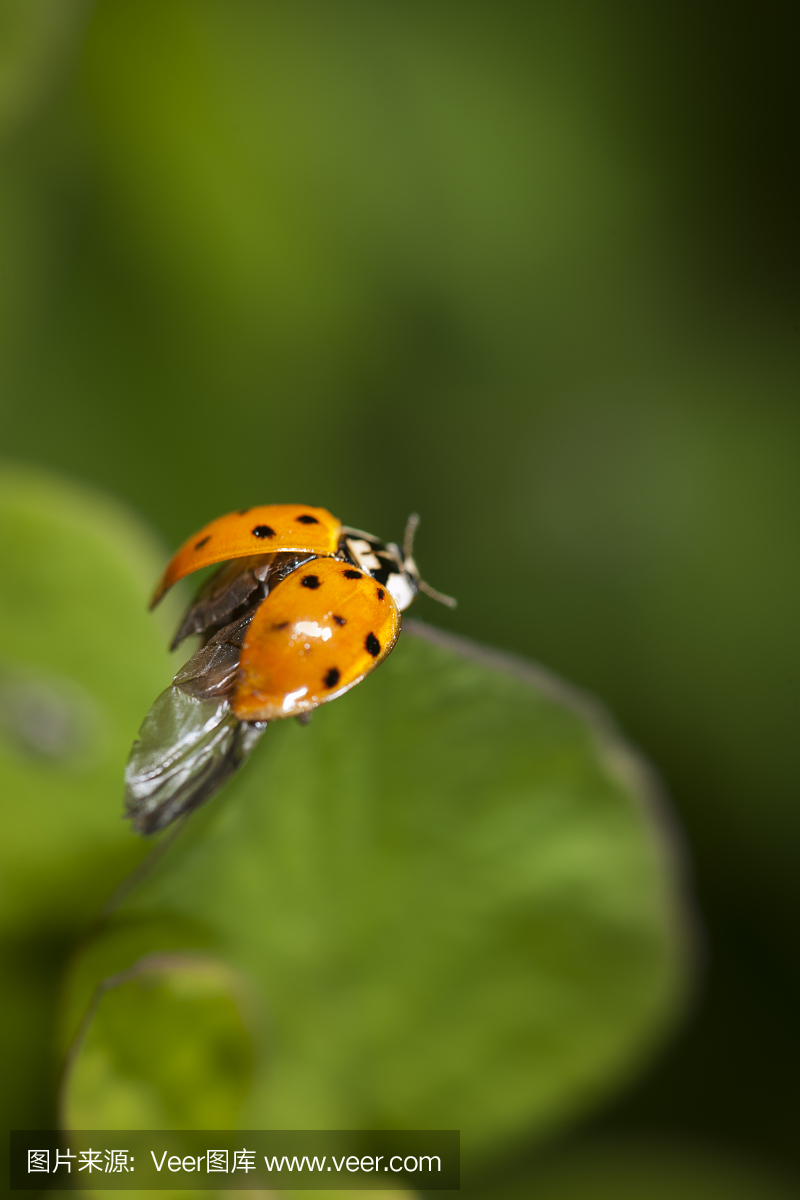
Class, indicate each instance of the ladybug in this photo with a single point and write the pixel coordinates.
(300, 609)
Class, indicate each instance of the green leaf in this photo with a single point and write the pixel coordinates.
(452, 895)
(199, 1052)
(79, 661)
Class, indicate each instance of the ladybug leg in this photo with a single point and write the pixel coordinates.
(303, 718)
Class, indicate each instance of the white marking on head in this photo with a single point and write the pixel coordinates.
(400, 590)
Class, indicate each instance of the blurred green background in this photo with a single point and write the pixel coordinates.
(527, 268)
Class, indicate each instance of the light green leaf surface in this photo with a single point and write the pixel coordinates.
(452, 898)
(80, 659)
(199, 1050)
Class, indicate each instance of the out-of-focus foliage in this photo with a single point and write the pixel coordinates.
(530, 269)
(80, 658)
(34, 35)
(452, 899)
(167, 1049)
(616, 1169)
(79, 662)
(404, 257)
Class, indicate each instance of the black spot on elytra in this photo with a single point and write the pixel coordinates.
(307, 519)
(339, 620)
(263, 531)
(372, 644)
(202, 541)
(381, 593)
(310, 581)
(332, 677)
(281, 625)
(352, 574)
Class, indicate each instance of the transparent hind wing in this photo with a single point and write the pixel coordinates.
(186, 749)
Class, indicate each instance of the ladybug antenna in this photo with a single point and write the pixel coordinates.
(408, 536)
(409, 564)
(448, 601)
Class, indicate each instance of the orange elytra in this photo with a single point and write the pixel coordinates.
(314, 637)
(260, 530)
